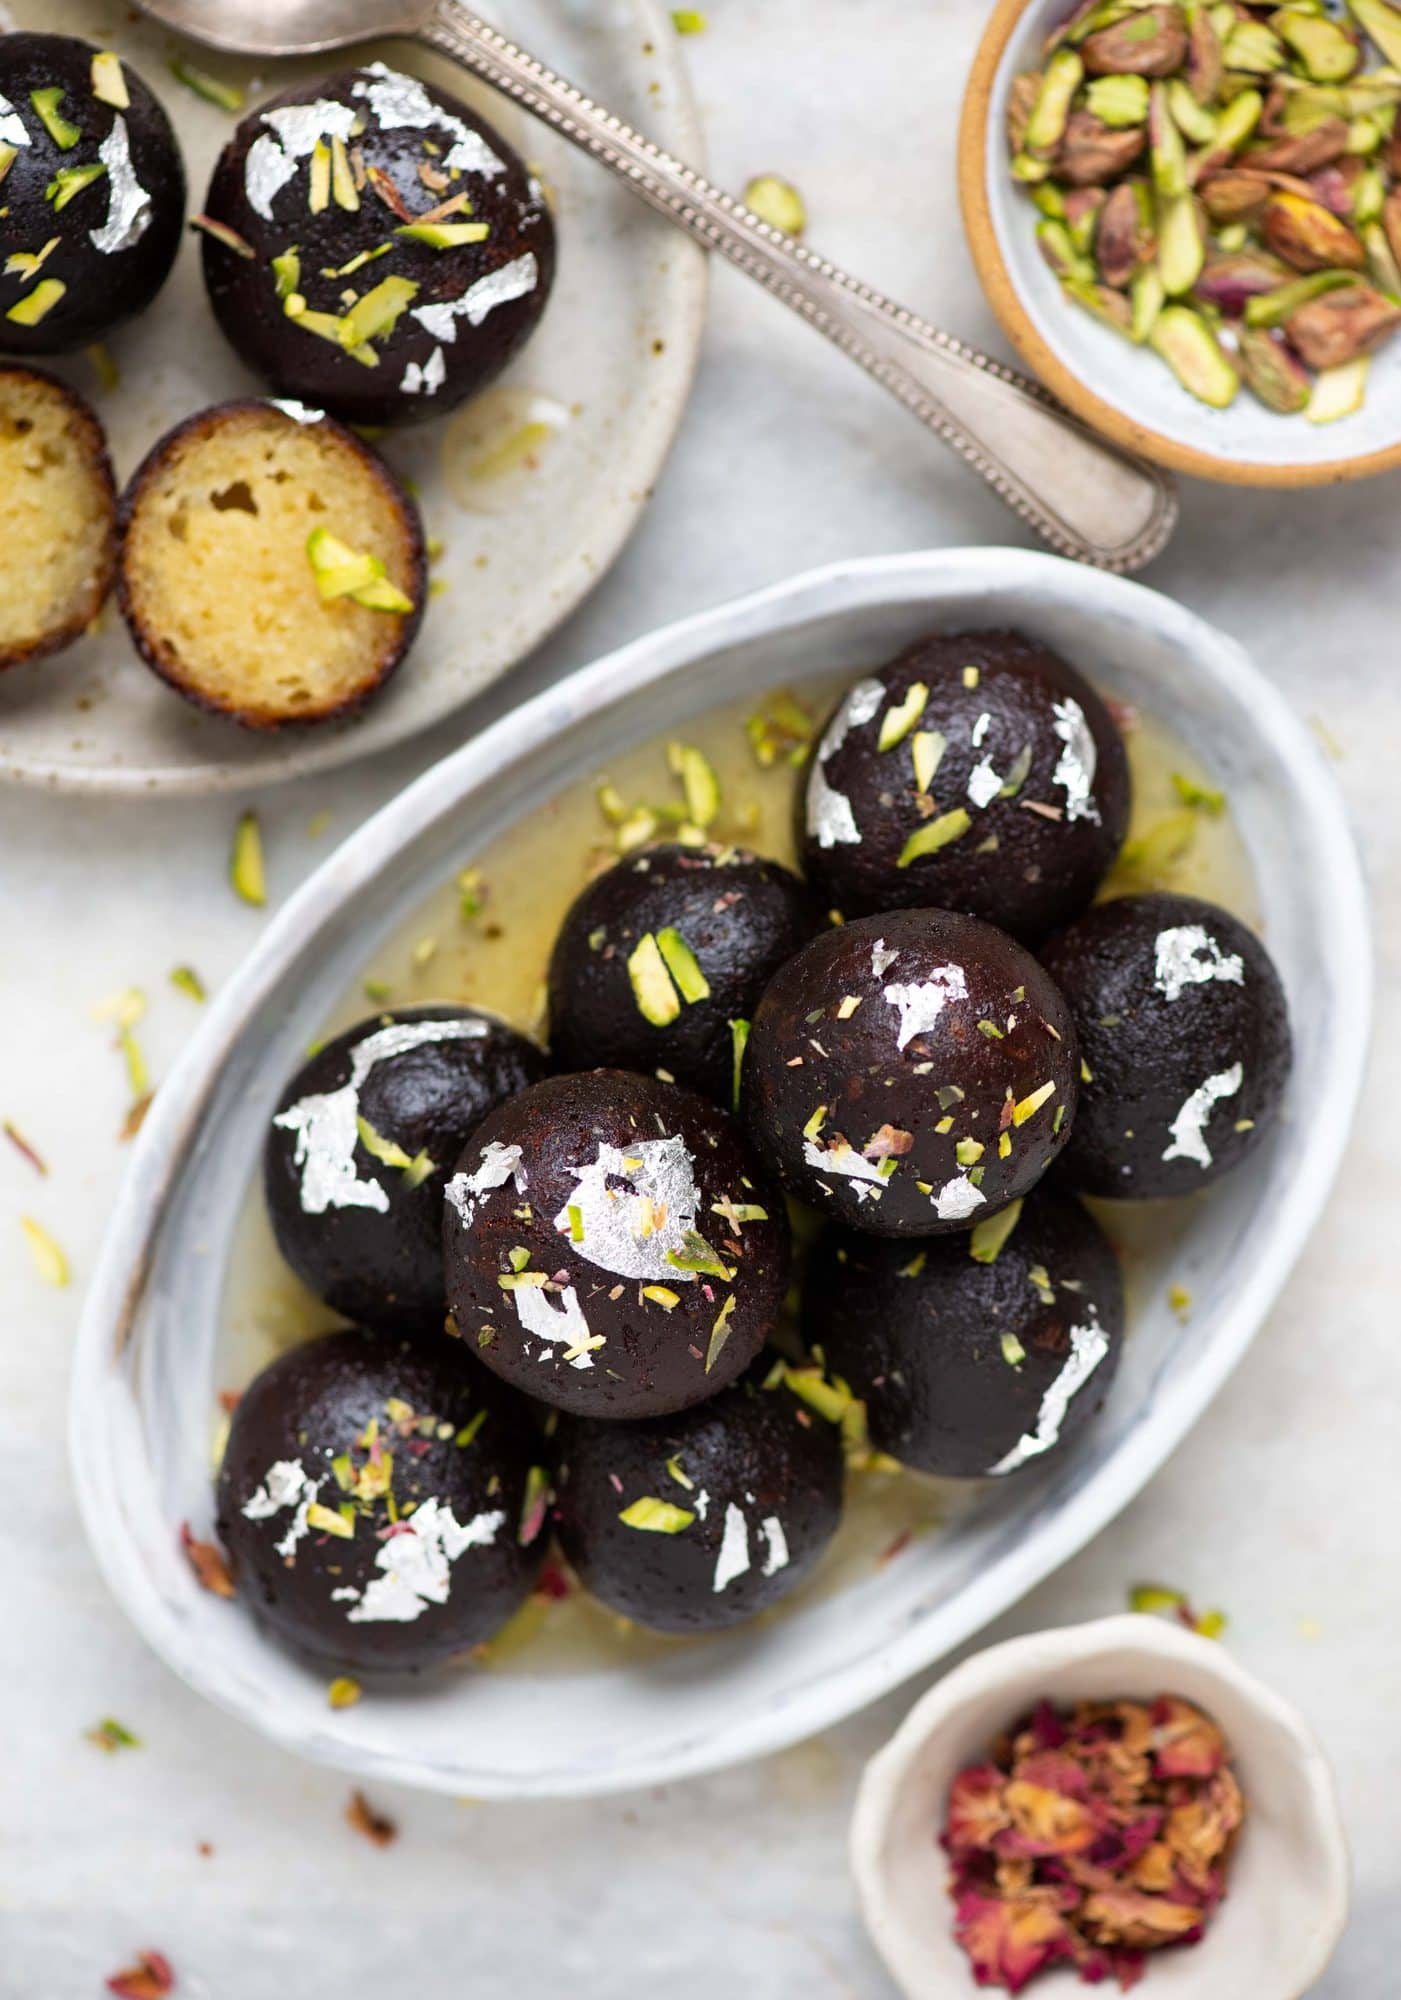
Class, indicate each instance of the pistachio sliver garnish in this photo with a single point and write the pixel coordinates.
(287, 272)
(900, 718)
(341, 571)
(683, 965)
(222, 232)
(739, 1039)
(986, 1240)
(246, 871)
(719, 1333)
(38, 304)
(444, 235)
(927, 747)
(225, 96)
(49, 1259)
(1195, 355)
(343, 187)
(656, 1517)
(377, 312)
(64, 133)
(776, 202)
(69, 182)
(109, 84)
(934, 834)
(657, 998)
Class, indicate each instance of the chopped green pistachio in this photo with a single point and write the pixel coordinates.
(830, 1399)
(778, 203)
(927, 747)
(467, 1434)
(782, 727)
(342, 179)
(1058, 1120)
(69, 182)
(341, 571)
(945, 1124)
(227, 96)
(287, 271)
(343, 1692)
(739, 1038)
(64, 133)
(246, 870)
(985, 1242)
(28, 262)
(1119, 101)
(900, 718)
(1151, 1597)
(1013, 1353)
(357, 262)
(991, 1030)
(534, 1505)
(971, 676)
(933, 835)
(1004, 1146)
(915, 1265)
(662, 1295)
(209, 225)
(1039, 1278)
(328, 1523)
(378, 311)
(1181, 1301)
(696, 1255)
(8, 156)
(816, 1122)
(698, 782)
(386, 1151)
(848, 1006)
(679, 1473)
(109, 81)
(719, 1333)
(111, 1735)
(656, 1517)
(683, 965)
(1027, 1107)
(444, 235)
(138, 1075)
(1203, 796)
(656, 997)
(968, 1152)
(688, 20)
(319, 187)
(36, 305)
(49, 1259)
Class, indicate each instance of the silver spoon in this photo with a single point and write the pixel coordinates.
(1086, 497)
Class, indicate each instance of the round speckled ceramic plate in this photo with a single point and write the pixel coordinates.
(145, 1373)
(607, 374)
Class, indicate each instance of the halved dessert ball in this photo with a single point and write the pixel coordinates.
(93, 191)
(974, 1355)
(58, 516)
(661, 957)
(272, 567)
(374, 247)
(360, 1148)
(613, 1247)
(378, 1502)
(910, 1074)
(1184, 1031)
(695, 1522)
(977, 772)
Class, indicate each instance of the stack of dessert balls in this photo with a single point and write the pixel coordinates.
(566, 1273)
(372, 250)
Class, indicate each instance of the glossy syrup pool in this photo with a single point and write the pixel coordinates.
(497, 959)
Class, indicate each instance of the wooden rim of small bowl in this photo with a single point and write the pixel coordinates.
(1016, 322)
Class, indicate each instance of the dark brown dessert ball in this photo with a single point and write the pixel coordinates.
(377, 1502)
(970, 1367)
(58, 516)
(379, 250)
(613, 1247)
(359, 1152)
(93, 190)
(272, 567)
(910, 1074)
(1184, 1032)
(662, 954)
(695, 1522)
(977, 772)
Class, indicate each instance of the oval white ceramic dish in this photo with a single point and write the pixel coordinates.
(144, 1385)
(607, 374)
(1288, 1897)
(1122, 390)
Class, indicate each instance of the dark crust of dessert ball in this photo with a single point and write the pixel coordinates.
(363, 1232)
(759, 1477)
(1024, 778)
(118, 230)
(613, 1247)
(346, 1423)
(738, 916)
(23, 392)
(910, 1074)
(1184, 1031)
(970, 1368)
(400, 150)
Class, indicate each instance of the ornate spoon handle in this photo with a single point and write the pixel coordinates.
(1087, 498)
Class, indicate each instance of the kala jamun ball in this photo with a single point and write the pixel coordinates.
(612, 1246)
(58, 516)
(374, 248)
(699, 1521)
(911, 1073)
(93, 191)
(382, 1501)
(361, 1145)
(664, 953)
(1185, 1041)
(979, 1354)
(977, 772)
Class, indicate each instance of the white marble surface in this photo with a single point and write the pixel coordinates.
(1279, 1507)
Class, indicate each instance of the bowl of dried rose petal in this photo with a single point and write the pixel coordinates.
(1187, 216)
(1099, 1805)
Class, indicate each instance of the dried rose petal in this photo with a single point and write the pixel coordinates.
(1128, 1916)
(977, 1810)
(208, 1562)
(1045, 1821)
(374, 1825)
(150, 1977)
(1185, 1744)
(1010, 1942)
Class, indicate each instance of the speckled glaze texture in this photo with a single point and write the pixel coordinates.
(117, 236)
(361, 1601)
(377, 1256)
(1187, 1044)
(911, 1073)
(762, 1486)
(1021, 744)
(741, 915)
(954, 1357)
(432, 358)
(601, 1313)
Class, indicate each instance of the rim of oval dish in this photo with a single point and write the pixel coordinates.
(1003, 296)
(310, 750)
(170, 1131)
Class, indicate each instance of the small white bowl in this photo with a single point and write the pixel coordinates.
(1288, 1896)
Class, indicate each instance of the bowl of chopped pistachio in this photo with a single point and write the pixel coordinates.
(1187, 217)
